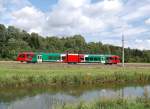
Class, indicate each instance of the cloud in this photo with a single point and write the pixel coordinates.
(140, 12)
(9, 6)
(141, 44)
(104, 20)
(138, 44)
(2, 8)
(111, 5)
(131, 32)
(19, 3)
(68, 17)
(147, 21)
(13, 5)
(72, 3)
(28, 18)
(81, 16)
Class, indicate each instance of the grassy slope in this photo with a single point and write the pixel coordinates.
(18, 74)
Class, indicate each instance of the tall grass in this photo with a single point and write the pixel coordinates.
(120, 103)
(17, 75)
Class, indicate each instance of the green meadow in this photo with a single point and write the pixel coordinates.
(15, 74)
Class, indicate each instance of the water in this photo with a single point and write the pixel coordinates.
(50, 98)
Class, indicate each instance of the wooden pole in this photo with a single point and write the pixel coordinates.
(122, 50)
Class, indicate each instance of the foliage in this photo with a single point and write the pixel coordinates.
(13, 40)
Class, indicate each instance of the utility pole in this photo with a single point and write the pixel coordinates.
(122, 50)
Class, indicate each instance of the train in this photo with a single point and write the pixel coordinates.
(70, 58)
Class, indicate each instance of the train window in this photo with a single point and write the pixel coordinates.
(21, 55)
(95, 59)
(91, 59)
(57, 57)
(103, 58)
(81, 58)
(116, 58)
(29, 56)
(86, 58)
(53, 57)
(50, 57)
(63, 57)
(113, 58)
(99, 59)
(110, 58)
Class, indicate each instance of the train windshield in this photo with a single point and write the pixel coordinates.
(109, 58)
(30, 55)
(21, 55)
(113, 58)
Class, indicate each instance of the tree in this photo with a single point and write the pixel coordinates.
(2, 40)
(13, 32)
(14, 46)
(2, 33)
(34, 41)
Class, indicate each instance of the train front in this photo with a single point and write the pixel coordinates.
(25, 57)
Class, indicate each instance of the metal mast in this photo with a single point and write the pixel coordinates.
(122, 50)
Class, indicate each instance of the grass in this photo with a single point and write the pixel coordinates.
(120, 103)
(46, 74)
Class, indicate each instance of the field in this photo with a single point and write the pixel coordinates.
(16, 74)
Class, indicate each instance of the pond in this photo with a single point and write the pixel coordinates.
(50, 98)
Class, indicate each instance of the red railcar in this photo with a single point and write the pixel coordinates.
(113, 59)
(74, 58)
(25, 56)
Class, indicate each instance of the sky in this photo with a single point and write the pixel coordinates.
(96, 20)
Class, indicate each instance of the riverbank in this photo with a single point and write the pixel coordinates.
(14, 74)
(138, 103)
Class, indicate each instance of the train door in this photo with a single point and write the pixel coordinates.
(63, 58)
(103, 60)
(81, 58)
(39, 58)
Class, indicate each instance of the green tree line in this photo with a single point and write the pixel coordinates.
(14, 40)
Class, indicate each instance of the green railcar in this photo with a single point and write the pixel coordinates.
(46, 57)
(93, 58)
(51, 57)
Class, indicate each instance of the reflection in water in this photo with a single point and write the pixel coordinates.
(49, 100)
